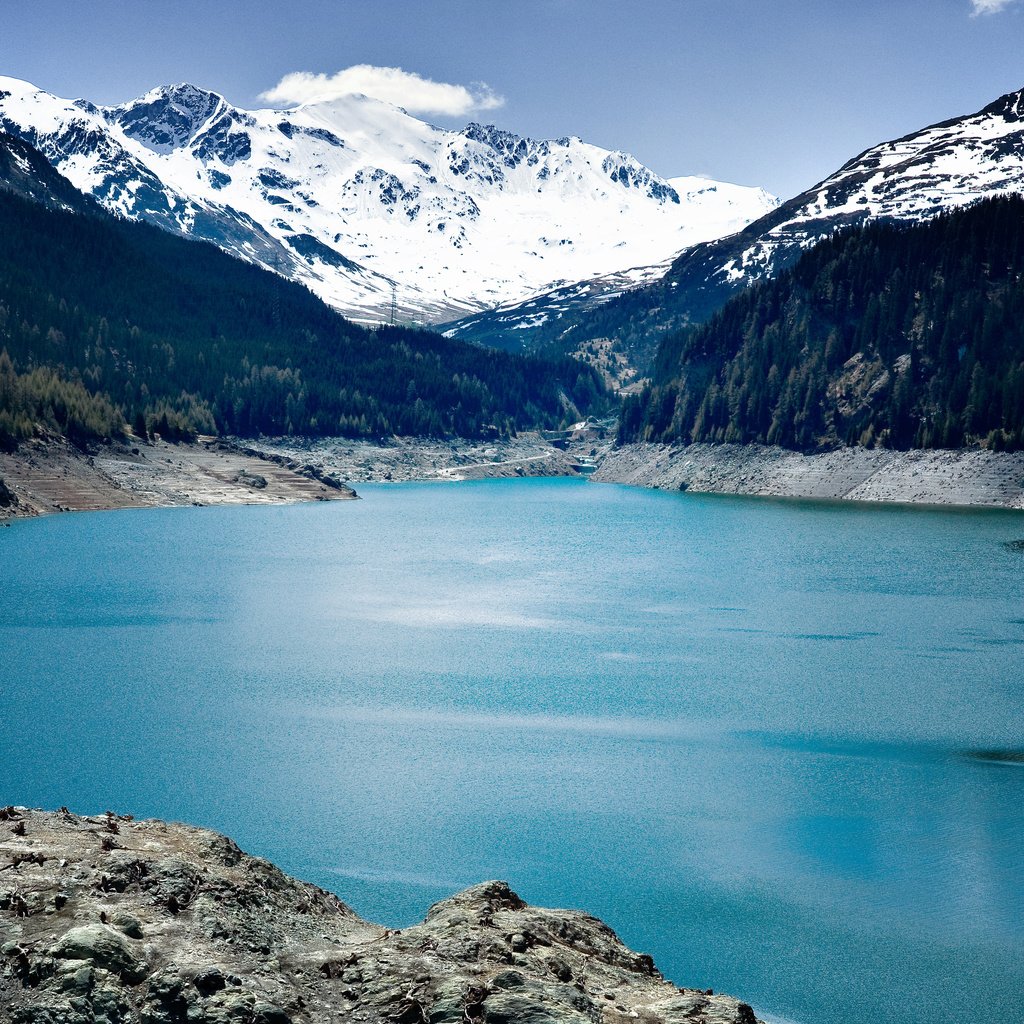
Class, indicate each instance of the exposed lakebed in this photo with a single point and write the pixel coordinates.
(775, 744)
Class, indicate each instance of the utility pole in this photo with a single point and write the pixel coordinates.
(394, 303)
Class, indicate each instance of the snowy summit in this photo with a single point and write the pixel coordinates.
(359, 200)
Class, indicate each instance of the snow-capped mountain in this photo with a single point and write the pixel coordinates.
(941, 167)
(527, 323)
(360, 201)
(26, 173)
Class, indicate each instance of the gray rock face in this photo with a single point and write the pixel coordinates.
(105, 920)
(99, 946)
(8, 498)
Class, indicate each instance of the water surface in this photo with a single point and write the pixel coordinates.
(779, 745)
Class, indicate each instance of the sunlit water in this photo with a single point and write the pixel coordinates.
(775, 744)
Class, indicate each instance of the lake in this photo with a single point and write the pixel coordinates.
(779, 745)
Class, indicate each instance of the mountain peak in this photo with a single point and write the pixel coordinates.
(185, 95)
(16, 86)
(1010, 106)
(348, 105)
(167, 117)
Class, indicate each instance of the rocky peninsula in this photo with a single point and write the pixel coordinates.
(52, 475)
(107, 920)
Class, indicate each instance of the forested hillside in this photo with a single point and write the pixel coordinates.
(182, 338)
(904, 336)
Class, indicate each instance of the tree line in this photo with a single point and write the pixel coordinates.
(177, 337)
(897, 335)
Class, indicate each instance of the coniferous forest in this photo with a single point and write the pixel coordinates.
(905, 336)
(107, 322)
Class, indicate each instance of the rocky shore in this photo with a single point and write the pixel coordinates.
(415, 458)
(853, 474)
(54, 476)
(106, 920)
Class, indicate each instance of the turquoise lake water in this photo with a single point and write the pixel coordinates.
(779, 745)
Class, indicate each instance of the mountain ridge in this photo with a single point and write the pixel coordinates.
(890, 334)
(945, 165)
(368, 206)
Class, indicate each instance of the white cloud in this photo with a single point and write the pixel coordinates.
(990, 6)
(416, 94)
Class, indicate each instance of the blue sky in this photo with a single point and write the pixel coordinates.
(754, 91)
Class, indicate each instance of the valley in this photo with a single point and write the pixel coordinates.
(470, 494)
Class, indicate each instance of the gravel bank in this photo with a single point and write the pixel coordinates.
(414, 458)
(54, 476)
(852, 474)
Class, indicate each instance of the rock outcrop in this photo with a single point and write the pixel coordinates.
(106, 920)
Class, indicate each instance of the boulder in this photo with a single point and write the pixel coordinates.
(103, 947)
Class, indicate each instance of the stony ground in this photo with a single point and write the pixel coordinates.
(854, 474)
(106, 920)
(54, 476)
(412, 458)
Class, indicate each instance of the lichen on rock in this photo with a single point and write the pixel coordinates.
(107, 920)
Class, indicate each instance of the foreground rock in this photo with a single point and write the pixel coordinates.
(105, 920)
(854, 474)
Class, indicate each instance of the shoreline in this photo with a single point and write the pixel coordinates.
(965, 478)
(43, 477)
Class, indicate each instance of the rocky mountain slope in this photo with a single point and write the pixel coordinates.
(24, 172)
(105, 920)
(355, 198)
(942, 167)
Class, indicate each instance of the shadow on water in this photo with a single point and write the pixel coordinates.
(1014, 757)
(904, 752)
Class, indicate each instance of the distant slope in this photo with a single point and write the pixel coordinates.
(531, 324)
(25, 172)
(908, 336)
(943, 167)
(354, 197)
(184, 337)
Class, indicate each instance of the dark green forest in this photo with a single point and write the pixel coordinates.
(904, 336)
(106, 321)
